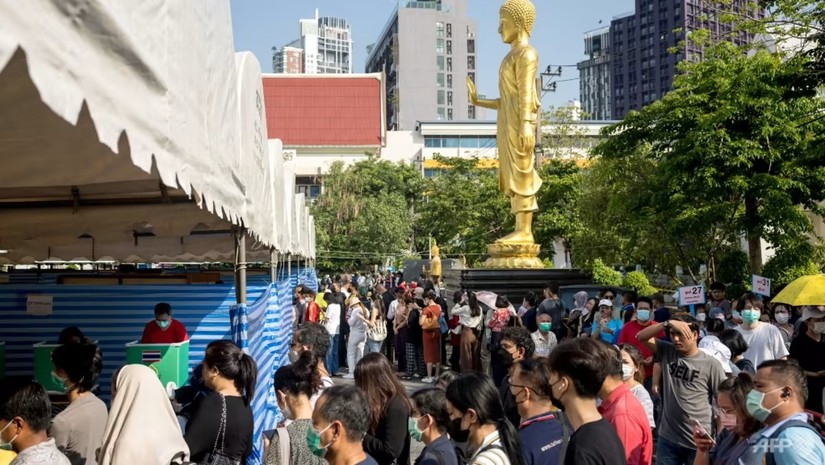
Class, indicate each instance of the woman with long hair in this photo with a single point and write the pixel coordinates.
(78, 430)
(431, 336)
(294, 385)
(222, 423)
(781, 316)
(633, 375)
(387, 439)
(477, 416)
(142, 426)
(591, 307)
(735, 427)
(358, 319)
(377, 325)
(470, 318)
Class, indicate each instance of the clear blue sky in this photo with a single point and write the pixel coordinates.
(557, 35)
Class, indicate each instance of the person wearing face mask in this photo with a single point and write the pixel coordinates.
(315, 338)
(644, 313)
(516, 344)
(777, 400)
(339, 423)
(633, 377)
(782, 321)
(428, 424)
(164, 329)
(294, 385)
(25, 413)
(574, 322)
(358, 319)
(624, 411)
(312, 311)
(543, 337)
(541, 432)
(807, 349)
(78, 429)
(764, 340)
(735, 427)
(477, 417)
(578, 368)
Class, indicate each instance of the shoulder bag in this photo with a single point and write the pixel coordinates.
(218, 456)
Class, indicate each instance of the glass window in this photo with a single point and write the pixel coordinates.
(439, 45)
(449, 114)
(469, 142)
(441, 115)
(449, 30)
(472, 77)
(439, 29)
(440, 97)
(439, 79)
(449, 47)
(471, 62)
(471, 112)
(449, 81)
(439, 61)
(449, 142)
(449, 64)
(449, 97)
(471, 45)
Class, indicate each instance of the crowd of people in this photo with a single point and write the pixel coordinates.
(600, 384)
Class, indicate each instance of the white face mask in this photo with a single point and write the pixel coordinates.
(782, 318)
(701, 317)
(627, 371)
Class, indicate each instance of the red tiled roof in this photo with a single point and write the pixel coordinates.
(339, 111)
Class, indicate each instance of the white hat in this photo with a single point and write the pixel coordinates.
(606, 303)
(714, 347)
(813, 312)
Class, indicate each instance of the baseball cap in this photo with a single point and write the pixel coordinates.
(606, 303)
(813, 312)
(714, 347)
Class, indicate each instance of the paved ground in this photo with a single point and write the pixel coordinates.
(412, 386)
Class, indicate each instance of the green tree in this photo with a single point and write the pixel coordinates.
(365, 213)
(463, 209)
(730, 151)
(605, 275)
(558, 217)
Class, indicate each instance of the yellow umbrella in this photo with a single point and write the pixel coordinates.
(807, 290)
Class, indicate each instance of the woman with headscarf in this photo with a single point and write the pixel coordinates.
(579, 313)
(142, 426)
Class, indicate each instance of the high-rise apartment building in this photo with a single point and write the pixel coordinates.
(642, 67)
(427, 49)
(594, 75)
(325, 47)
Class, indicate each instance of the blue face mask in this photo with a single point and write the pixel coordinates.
(643, 315)
(163, 323)
(6, 445)
(750, 316)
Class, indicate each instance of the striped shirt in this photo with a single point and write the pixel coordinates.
(490, 455)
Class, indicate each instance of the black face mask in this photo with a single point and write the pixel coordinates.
(555, 400)
(505, 357)
(455, 431)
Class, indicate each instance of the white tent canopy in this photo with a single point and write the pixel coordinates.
(132, 125)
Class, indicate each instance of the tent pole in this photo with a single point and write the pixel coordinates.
(272, 264)
(240, 265)
(289, 264)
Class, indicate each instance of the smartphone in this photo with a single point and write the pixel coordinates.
(698, 428)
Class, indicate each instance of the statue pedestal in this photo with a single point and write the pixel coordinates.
(513, 255)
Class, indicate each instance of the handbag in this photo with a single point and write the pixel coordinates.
(378, 332)
(217, 456)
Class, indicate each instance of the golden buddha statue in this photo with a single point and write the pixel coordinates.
(518, 106)
(435, 264)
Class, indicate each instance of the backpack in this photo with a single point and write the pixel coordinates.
(769, 458)
(379, 332)
(442, 324)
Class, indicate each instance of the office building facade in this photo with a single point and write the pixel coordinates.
(642, 66)
(426, 49)
(324, 47)
(594, 76)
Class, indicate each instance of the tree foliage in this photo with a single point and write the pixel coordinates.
(732, 154)
(637, 281)
(365, 213)
(605, 275)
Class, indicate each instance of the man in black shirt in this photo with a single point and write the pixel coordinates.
(516, 345)
(554, 307)
(579, 367)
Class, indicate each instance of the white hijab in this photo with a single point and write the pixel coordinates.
(142, 426)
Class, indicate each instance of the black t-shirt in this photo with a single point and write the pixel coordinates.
(529, 320)
(595, 443)
(809, 353)
(202, 428)
(414, 335)
(555, 308)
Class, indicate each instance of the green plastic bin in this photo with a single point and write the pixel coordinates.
(43, 367)
(2, 360)
(170, 361)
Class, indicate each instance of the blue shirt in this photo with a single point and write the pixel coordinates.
(793, 446)
(440, 447)
(541, 438)
(615, 325)
(368, 461)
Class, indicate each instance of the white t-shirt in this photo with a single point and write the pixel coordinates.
(392, 309)
(764, 343)
(333, 315)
